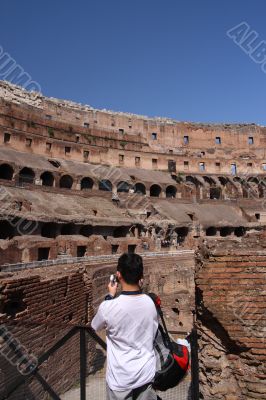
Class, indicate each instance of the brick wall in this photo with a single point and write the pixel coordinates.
(231, 312)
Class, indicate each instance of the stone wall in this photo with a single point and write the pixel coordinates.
(231, 317)
(39, 306)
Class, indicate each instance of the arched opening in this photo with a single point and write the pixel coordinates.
(225, 231)
(105, 185)
(253, 179)
(121, 231)
(209, 180)
(123, 187)
(182, 233)
(6, 230)
(155, 190)
(215, 193)
(68, 229)
(6, 172)
(140, 188)
(86, 183)
(240, 231)
(47, 179)
(49, 230)
(211, 231)
(170, 192)
(86, 230)
(66, 182)
(26, 175)
(192, 179)
(223, 180)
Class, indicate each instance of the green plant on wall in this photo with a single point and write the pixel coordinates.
(123, 144)
(50, 132)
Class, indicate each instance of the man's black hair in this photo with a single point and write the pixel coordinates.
(131, 268)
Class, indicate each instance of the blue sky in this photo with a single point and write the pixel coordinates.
(168, 58)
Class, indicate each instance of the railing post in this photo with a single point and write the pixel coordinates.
(83, 363)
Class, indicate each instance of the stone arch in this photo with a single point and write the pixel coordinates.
(86, 183)
(26, 175)
(123, 186)
(155, 190)
(192, 180)
(47, 178)
(171, 191)
(223, 179)
(6, 172)
(105, 185)
(209, 180)
(66, 182)
(140, 188)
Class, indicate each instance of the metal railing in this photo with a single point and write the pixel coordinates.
(188, 389)
(77, 260)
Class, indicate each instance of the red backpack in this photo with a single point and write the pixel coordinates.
(172, 358)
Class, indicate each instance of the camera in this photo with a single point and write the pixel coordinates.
(112, 279)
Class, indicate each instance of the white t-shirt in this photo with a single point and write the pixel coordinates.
(131, 324)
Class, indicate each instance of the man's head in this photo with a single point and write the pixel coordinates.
(130, 268)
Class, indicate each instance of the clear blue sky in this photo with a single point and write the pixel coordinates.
(167, 58)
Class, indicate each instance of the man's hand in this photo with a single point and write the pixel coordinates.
(112, 288)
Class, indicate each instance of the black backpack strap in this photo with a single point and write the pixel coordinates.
(157, 301)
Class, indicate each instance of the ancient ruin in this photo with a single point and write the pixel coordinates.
(80, 186)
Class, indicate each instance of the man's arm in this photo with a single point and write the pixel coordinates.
(99, 321)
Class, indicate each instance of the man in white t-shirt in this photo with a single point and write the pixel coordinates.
(131, 324)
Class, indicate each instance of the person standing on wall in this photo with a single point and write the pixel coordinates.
(131, 323)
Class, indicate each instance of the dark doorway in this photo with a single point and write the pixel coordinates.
(81, 250)
(86, 230)
(66, 182)
(49, 230)
(155, 191)
(240, 231)
(123, 187)
(47, 179)
(170, 192)
(105, 185)
(171, 166)
(215, 193)
(26, 176)
(114, 248)
(68, 229)
(6, 172)
(6, 230)
(211, 231)
(131, 248)
(140, 188)
(86, 183)
(43, 253)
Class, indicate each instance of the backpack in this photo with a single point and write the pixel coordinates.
(172, 358)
